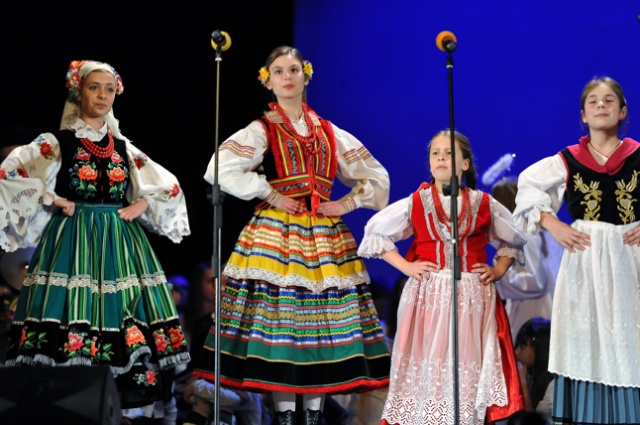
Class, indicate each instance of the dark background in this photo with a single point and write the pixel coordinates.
(518, 73)
(169, 72)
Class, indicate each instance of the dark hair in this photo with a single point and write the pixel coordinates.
(505, 191)
(528, 418)
(193, 309)
(617, 90)
(470, 176)
(536, 332)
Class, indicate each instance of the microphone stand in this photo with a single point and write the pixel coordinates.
(217, 197)
(453, 190)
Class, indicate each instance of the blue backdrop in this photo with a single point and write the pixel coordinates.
(518, 74)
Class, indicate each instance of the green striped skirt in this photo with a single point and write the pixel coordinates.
(94, 295)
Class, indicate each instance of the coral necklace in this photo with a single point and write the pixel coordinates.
(306, 141)
(463, 216)
(96, 150)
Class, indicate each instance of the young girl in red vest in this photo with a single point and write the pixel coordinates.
(421, 390)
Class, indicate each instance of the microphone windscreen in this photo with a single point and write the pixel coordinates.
(443, 37)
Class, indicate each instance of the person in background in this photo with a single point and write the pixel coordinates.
(595, 337)
(201, 302)
(532, 352)
(297, 315)
(391, 314)
(236, 407)
(95, 293)
(421, 390)
(527, 290)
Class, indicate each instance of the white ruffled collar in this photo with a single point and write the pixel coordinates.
(85, 131)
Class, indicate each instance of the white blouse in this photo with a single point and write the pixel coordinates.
(393, 224)
(242, 153)
(27, 191)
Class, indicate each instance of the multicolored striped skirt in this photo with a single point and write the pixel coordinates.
(94, 295)
(296, 312)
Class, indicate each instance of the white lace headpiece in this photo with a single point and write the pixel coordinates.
(78, 70)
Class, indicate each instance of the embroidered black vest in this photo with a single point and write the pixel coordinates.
(84, 177)
(592, 195)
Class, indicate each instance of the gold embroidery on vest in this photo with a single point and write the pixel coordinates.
(592, 197)
(624, 199)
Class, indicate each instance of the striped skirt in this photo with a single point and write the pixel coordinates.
(95, 295)
(296, 312)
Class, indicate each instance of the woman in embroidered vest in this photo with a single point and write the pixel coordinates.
(94, 294)
(595, 334)
(297, 315)
(421, 389)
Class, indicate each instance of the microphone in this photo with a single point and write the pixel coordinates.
(220, 39)
(446, 41)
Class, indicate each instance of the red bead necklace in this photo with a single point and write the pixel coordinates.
(463, 216)
(96, 150)
(308, 141)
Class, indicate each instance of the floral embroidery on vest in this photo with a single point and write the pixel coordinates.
(84, 175)
(592, 197)
(624, 199)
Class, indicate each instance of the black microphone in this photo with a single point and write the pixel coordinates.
(446, 41)
(220, 39)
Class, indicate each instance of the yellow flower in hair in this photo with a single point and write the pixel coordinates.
(307, 69)
(263, 75)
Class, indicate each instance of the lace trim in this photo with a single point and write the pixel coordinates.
(293, 280)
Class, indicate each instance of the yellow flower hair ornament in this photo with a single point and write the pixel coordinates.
(307, 69)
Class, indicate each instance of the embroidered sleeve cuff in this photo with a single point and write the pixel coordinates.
(273, 198)
(349, 202)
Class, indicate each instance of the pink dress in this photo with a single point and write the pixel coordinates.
(421, 387)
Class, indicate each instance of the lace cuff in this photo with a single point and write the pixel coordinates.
(517, 254)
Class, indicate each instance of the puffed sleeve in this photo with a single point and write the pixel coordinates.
(167, 212)
(27, 182)
(359, 170)
(541, 188)
(504, 235)
(526, 283)
(238, 157)
(385, 228)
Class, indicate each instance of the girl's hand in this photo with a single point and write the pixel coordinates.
(419, 269)
(564, 234)
(134, 210)
(488, 274)
(632, 237)
(68, 207)
(291, 206)
(331, 209)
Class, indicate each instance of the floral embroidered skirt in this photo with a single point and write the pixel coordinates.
(94, 295)
(296, 313)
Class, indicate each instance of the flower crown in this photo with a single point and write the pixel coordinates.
(307, 69)
(74, 82)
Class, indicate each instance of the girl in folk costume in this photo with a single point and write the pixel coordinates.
(595, 331)
(296, 314)
(421, 390)
(95, 293)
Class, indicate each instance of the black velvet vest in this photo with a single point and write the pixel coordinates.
(597, 196)
(84, 177)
